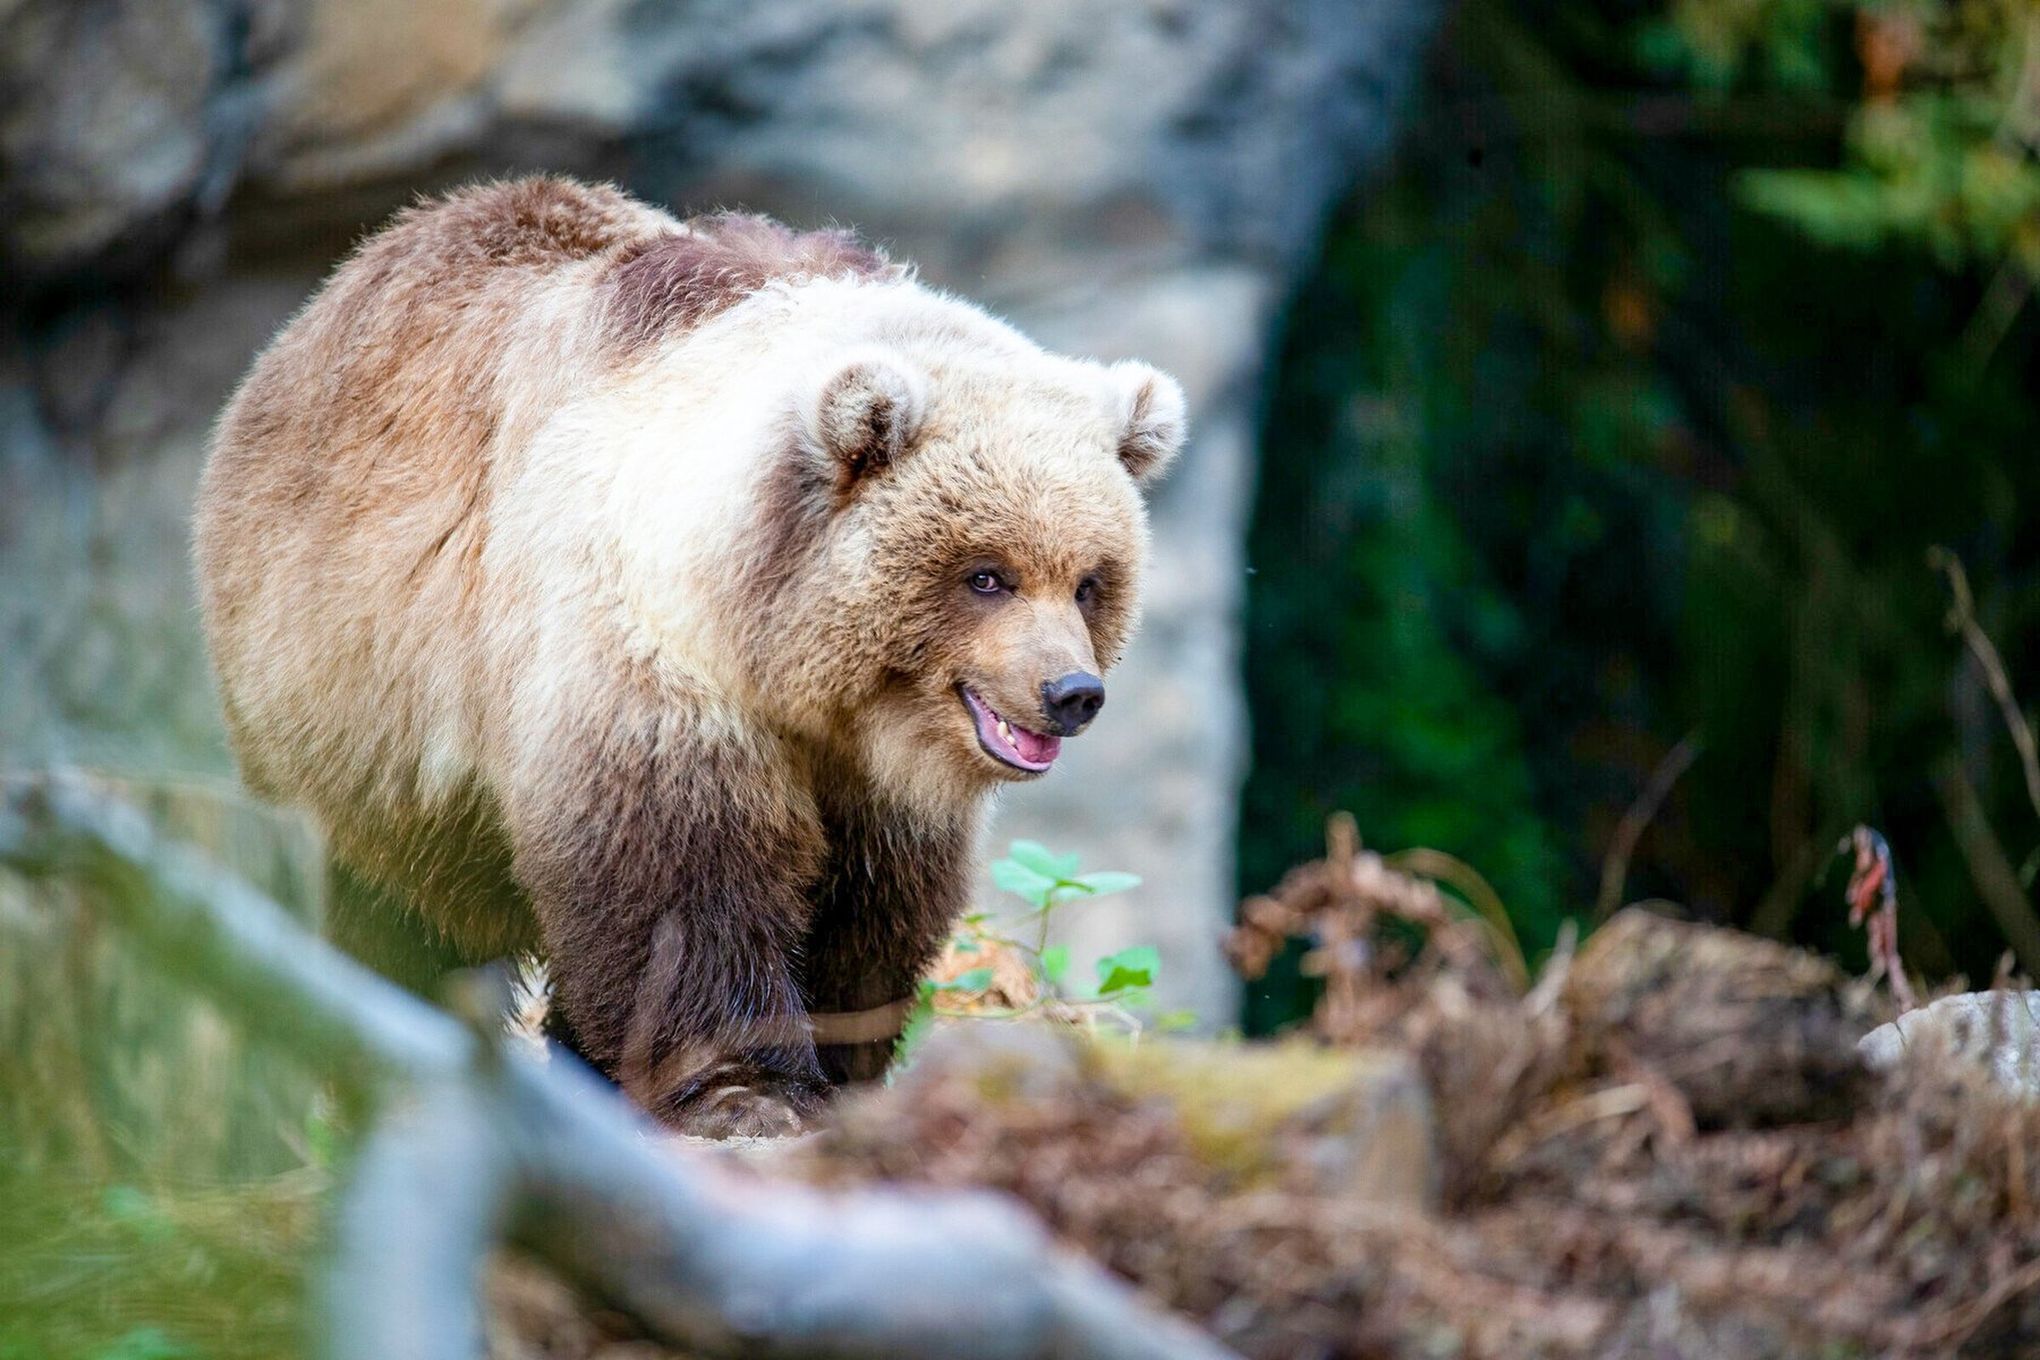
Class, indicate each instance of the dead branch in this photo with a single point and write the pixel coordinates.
(1638, 817)
(1962, 620)
(481, 1142)
(1990, 869)
(215, 931)
(424, 1206)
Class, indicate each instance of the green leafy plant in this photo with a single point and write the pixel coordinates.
(1044, 883)
(145, 1343)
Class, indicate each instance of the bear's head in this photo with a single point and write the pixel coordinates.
(986, 539)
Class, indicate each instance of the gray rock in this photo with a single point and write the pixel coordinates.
(106, 124)
(2000, 1030)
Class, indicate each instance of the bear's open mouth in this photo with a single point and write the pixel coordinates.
(1009, 742)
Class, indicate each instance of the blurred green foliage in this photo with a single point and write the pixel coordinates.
(180, 1271)
(163, 1175)
(1627, 408)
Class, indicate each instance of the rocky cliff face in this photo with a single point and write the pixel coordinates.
(1137, 178)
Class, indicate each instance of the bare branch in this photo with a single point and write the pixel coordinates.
(1962, 619)
(424, 1206)
(1622, 846)
(1997, 882)
(212, 930)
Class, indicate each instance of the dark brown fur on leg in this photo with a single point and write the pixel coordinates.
(894, 886)
(670, 891)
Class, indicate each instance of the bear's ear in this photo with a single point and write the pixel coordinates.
(1155, 419)
(866, 413)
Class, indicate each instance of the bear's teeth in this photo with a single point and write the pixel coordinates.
(1005, 732)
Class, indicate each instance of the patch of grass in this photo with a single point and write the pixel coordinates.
(163, 1175)
(94, 1270)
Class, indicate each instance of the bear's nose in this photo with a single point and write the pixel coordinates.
(1072, 701)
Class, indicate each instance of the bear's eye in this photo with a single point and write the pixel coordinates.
(1087, 590)
(986, 582)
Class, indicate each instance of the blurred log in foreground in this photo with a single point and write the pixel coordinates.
(478, 1144)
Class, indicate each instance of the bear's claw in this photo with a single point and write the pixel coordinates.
(771, 1110)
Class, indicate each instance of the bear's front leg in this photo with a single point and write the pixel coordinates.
(668, 859)
(895, 883)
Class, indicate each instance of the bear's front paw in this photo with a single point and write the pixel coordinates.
(760, 1108)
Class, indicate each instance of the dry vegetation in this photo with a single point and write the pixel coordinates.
(1669, 1147)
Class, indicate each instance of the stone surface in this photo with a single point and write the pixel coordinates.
(1999, 1030)
(1143, 178)
(106, 124)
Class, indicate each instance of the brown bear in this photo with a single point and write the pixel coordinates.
(667, 598)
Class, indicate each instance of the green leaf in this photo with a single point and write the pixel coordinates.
(321, 1139)
(1128, 969)
(1010, 875)
(1109, 881)
(920, 1020)
(1043, 861)
(1055, 961)
(1169, 1021)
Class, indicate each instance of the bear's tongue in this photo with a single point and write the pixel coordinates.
(1035, 748)
(1009, 740)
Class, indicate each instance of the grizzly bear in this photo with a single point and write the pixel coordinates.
(667, 598)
